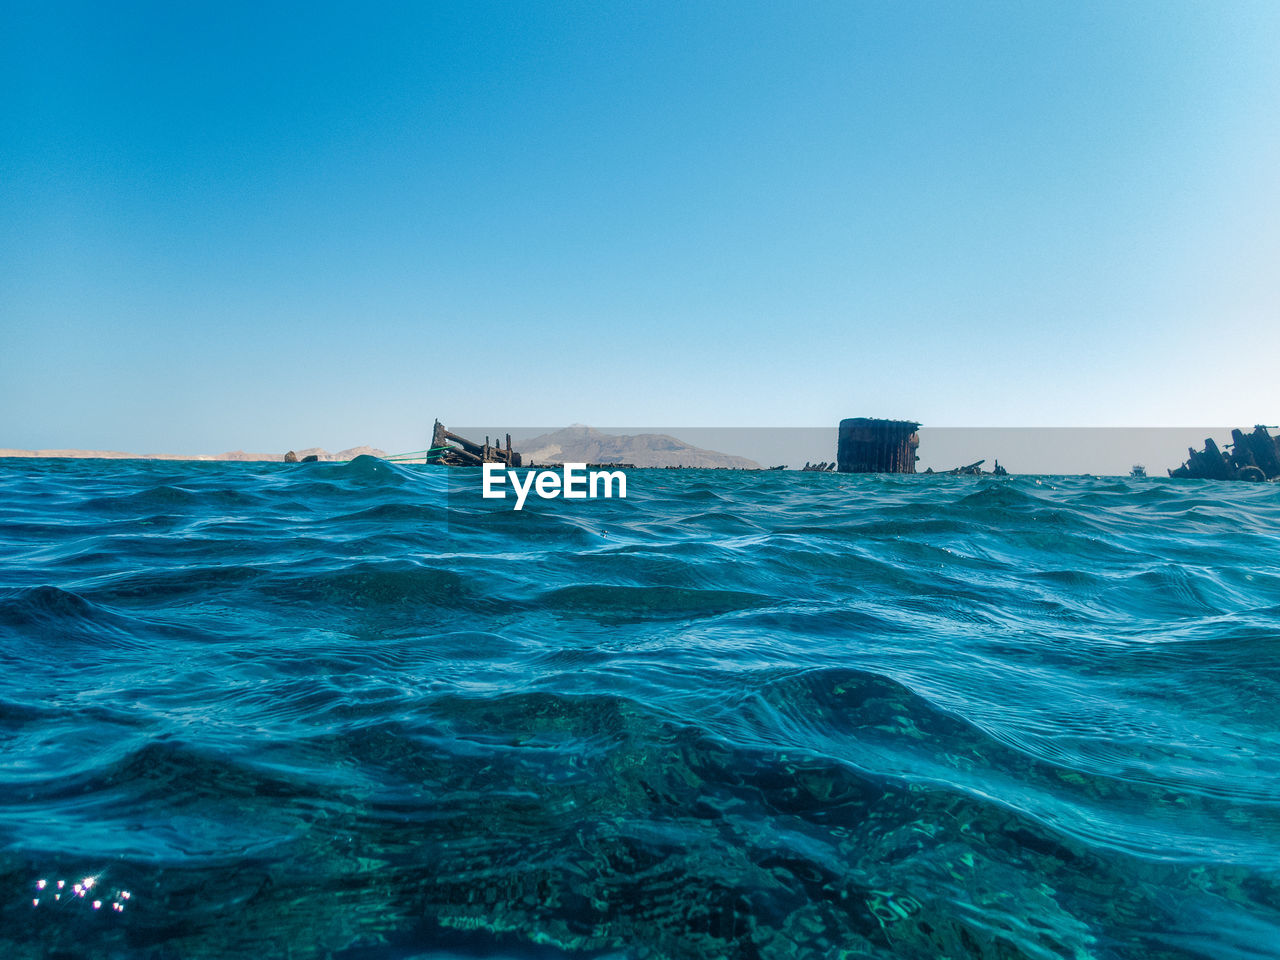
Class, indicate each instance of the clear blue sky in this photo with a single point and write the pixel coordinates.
(261, 226)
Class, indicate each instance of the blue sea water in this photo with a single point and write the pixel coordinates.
(355, 711)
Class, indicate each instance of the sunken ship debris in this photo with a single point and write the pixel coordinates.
(877, 446)
(1254, 456)
(868, 445)
(973, 470)
(454, 451)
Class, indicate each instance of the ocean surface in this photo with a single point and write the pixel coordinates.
(355, 711)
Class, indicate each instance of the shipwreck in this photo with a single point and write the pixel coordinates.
(867, 445)
(451, 450)
(1254, 456)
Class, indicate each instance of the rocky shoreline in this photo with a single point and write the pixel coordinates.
(235, 455)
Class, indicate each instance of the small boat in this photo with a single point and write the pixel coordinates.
(1138, 472)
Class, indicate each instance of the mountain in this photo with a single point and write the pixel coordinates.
(582, 444)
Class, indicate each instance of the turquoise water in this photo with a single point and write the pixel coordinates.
(339, 710)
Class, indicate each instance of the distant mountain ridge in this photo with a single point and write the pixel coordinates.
(349, 454)
(583, 444)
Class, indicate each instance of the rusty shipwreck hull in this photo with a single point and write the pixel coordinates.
(1254, 456)
(867, 445)
(452, 450)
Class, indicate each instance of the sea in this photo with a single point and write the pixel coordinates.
(356, 711)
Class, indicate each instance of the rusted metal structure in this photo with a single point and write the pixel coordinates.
(877, 446)
(452, 450)
(1253, 456)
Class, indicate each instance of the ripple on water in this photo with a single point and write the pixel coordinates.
(352, 711)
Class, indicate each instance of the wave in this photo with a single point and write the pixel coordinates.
(352, 710)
